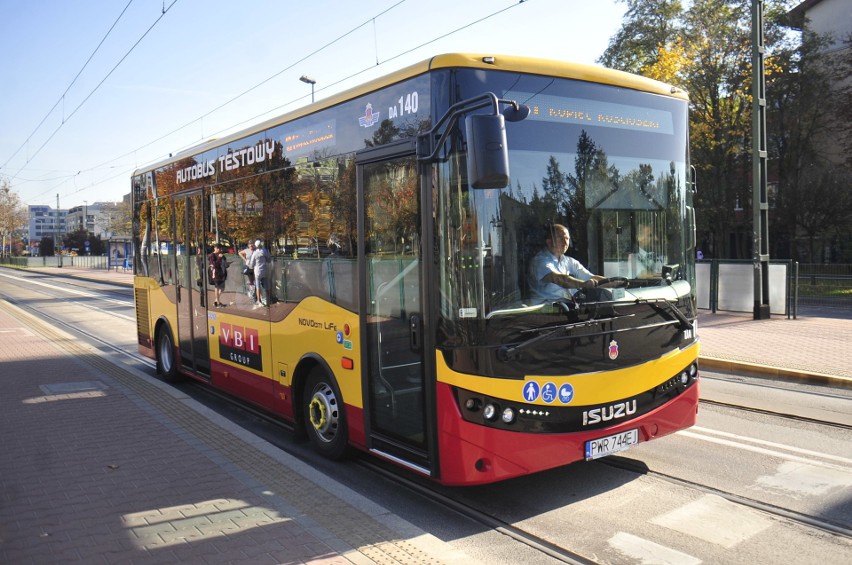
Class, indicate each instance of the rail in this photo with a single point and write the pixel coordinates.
(77, 261)
(727, 284)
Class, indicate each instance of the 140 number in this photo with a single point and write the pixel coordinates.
(407, 104)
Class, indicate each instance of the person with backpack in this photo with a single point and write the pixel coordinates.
(217, 265)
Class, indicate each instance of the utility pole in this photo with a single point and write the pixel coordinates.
(760, 202)
(57, 246)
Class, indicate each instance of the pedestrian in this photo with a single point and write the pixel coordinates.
(259, 263)
(248, 271)
(218, 268)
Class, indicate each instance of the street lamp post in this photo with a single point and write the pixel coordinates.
(308, 80)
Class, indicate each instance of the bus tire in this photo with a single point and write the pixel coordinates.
(325, 415)
(166, 365)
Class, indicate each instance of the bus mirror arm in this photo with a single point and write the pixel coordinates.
(488, 157)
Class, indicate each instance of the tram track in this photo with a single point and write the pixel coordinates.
(95, 340)
(435, 495)
(775, 413)
(428, 493)
(34, 284)
(638, 467)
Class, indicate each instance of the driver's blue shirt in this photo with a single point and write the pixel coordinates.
(546, 262)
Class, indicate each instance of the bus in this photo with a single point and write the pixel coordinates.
(399, 224)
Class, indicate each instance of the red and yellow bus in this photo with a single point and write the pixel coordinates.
(402, 221)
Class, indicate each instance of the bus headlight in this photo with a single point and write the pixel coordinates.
(508, 415)
(473, 404)
(490, 412)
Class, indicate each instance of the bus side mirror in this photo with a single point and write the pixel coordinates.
(487, 152)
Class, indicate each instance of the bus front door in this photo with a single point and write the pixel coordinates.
(390, 279)
(191, 284)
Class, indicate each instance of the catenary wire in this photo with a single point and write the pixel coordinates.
(86, 99)
(62, 96)
(254, 118)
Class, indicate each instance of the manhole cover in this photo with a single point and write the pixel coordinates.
(68, 388)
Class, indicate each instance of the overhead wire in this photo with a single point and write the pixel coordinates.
(266, 80)
(80, 105)
(362, 71)
(74, 80)
(231, 100)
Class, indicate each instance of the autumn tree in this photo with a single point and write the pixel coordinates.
(649, 25)
(13, 215)
(706, 49)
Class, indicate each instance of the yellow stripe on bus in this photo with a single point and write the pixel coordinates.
(589, 388)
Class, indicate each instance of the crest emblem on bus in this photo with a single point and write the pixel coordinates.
(369, 118)
(613, 350)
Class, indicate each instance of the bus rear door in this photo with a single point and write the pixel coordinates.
(191, 284)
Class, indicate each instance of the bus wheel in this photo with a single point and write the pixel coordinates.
(166, 355)
(325, 418)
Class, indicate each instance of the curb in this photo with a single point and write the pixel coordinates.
(753, 369)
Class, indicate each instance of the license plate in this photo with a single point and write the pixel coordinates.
(604, 446)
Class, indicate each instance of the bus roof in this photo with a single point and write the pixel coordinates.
(530, 65)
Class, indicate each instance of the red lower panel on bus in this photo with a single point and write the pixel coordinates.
(475, 454)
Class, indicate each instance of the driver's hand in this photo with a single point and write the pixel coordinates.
(591, 283)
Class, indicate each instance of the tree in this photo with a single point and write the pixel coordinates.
(116, 218)
(46, 247)
(717, 33)
(706, 49)
(77, 240)
(841, 65)
(13, 215)
(648, 25)
(822, 206)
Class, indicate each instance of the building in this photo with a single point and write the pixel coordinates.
(44, 221)
(831, 19)
(105, 220)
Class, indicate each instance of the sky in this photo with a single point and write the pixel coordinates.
(93, 89)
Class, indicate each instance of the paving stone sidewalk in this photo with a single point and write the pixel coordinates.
(102, 464)
(809, 346)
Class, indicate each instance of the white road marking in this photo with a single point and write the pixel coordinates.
(716, 520)
(794, 478)
(691, 433)
(647, 552)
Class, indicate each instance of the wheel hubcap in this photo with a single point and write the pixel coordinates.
(323, 413)
(166, 354)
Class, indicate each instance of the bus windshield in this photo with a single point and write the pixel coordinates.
(611, 166)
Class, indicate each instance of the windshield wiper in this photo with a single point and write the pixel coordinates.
(549, 331)
(671, 307)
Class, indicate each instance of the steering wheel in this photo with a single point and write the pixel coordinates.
(612, 282)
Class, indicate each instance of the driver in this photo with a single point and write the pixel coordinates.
(552, 272)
